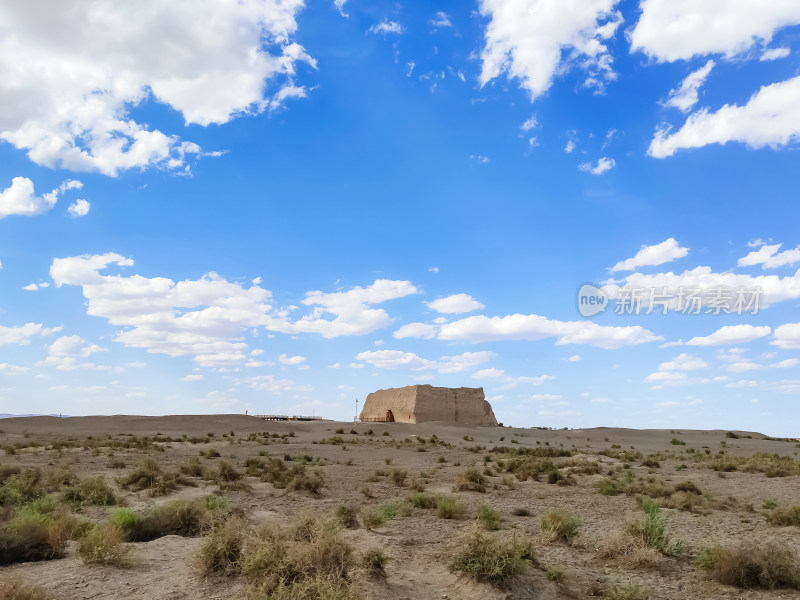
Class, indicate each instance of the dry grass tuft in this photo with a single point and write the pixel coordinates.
(560, 525)
(103, 545)
(491, 560)
(752, 565)
(14, 588)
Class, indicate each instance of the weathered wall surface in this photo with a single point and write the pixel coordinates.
(401, 401)
(420, 403)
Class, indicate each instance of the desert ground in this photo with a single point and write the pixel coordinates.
(231, 506)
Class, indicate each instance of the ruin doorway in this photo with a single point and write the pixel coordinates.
(389, 416)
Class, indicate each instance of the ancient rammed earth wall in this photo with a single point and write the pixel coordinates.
(420, 403)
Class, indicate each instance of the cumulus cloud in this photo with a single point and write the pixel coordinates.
(396, 359)
(20, 199)
(731, 334)
(339, 4)
(773, 288)
(769, 257)
(507, 382)
(771, 118)
(603, 165)
(80, 208)
(292, 360)
(204, 318)
(351, 310)
(386, 27)
(670, 30)
(685, 96)
(683, 362)
(649, 256)
(68, 352)
(416, 330)
(774, 54)
(68, 96)
(441, 20)
(534, 42)
(23, 334)
(787, 336)
(480, 328)
(456, 303)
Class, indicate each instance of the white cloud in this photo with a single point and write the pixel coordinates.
(416, 330)
(786, 336)
(350, 309)
(773, 288)
(665, 377)
(31, 287)
(339, 4)
(433, 269)
(685, 96)
(774, 54)
(671, 30)
(67, 354)
(508, 382)
(731, 334)
(268, 383)
(574, 358)
(23, 334)
(769, 257)
(292, 360)
(649, 256)
(396, 359)
(8, 369)
(569, 147)
(479, 158)
(74, 72)
(535, 42)
(193, 377)
(441, 20)
(454, 304)
(480, 328)
(80, 208)
(529, 124)
(770, 118)
(19, 198)
(385, 27)
(683, 362)
(205, 319)
(546, 397)
(603, 165)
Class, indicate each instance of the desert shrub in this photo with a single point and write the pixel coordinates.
(489, 517)
(34, 532)
(422, 500)
(399, 477)
(627, 591)
(784, 516)
(555, 574)
(560, 524)
(677, 442)
(310, 559)
(449, 507)
(470, 479)
(103, 545)
(653, 531)
(17, 589)
(530, 467)
(347, 514)
(221, 549)
(687, 486)
(91, 490)
(380, 515)
(192, 467)
(148, 476)
(651, 463)
(374, 560)
(20, 486)
(491, 560)
(179, 517)
(752, 565)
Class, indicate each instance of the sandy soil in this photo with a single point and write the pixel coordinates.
(420, 546)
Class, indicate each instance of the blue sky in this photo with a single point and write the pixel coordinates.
(280, 207)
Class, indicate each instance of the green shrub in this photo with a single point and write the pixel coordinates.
(221, 549)
(784, 516)
(103, 545)
(346, 513)
(652, 531)
(560, 525)
(627, 591)
(91, 490)
(491, 560)
(471, 479)
(449, 507)
(374, 560)
(489, 517)
(422, 500)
